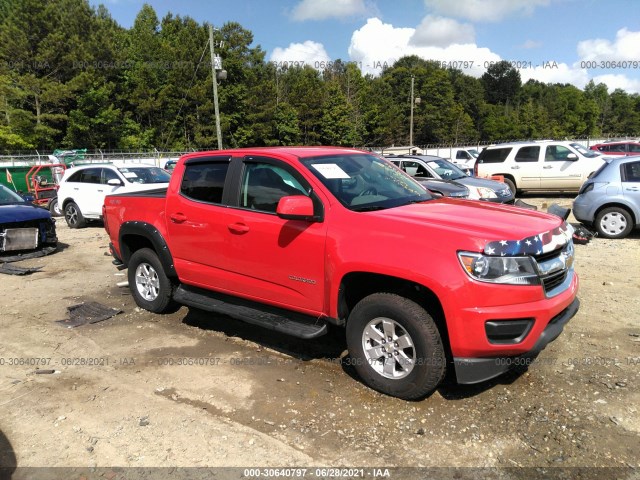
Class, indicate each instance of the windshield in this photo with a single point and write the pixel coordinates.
(446, 170)
(145, 175)
(8, 197)
(585, 151)
(363, 182)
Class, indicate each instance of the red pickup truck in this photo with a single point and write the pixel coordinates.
(296, 238)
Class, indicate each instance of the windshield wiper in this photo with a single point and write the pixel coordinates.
(369, 208)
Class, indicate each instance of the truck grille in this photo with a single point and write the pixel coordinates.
(555, 267)
(552, 281)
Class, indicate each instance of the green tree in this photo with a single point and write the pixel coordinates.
(337, 126)
(501, 83)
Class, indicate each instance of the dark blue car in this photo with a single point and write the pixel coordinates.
(25, 230)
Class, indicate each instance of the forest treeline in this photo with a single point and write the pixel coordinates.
(71, 77)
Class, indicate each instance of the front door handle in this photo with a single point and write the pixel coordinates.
(178, 217)
(632, 189)
(515, 167)
(546, 167)
(238, 228)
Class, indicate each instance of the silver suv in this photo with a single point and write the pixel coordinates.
(547, 165)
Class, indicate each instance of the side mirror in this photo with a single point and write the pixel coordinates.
(296, 207)
(114, 182)
(572, 157)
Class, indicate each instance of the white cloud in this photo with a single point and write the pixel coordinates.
(377, 43)
(485, 10)
(613, 81)
(625, 47)
(441, 32)
(323, 9)
(553, 72)
(307, 53)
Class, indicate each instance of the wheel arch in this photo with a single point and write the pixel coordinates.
(621, 205)
(355, 286)
(136, 235)
(66, 202)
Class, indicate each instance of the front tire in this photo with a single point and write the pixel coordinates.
(614, 222)
(395, 346)
(73, 216)
(149, 284)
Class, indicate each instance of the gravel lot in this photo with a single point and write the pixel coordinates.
(192, 389)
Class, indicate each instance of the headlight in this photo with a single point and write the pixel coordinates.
(509, 270)
(485, 192)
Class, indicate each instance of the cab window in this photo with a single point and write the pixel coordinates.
(264, 184)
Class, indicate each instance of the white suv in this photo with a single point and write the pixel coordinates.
(82, 189)
(542, 165)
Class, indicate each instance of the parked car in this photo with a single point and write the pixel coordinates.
(25, 229)
(539, 165)
(464, 158)
(170, 165)
(618, 148)
(428, 166)
(296, 239)
(610, 199)
(82, 189)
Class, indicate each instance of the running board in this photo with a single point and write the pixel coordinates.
(294, 324)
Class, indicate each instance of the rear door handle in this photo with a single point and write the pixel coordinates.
(546, 167)
(238, 227)
(178, 217)
(515, 167)
(632, 189)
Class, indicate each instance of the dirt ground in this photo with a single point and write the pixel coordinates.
(192, 389)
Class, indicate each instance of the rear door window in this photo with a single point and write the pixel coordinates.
(204, 181)
(91, 175)
(528, 154)
(631, 172)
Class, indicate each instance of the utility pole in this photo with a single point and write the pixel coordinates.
(215, 87)
(411, 122)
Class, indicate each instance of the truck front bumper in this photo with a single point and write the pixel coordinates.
(476, 370)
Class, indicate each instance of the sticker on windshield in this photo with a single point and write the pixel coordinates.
(129, 175)
(330, 171)
(433, 164)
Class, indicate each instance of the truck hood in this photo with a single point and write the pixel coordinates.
(22, 212)
(495, 228)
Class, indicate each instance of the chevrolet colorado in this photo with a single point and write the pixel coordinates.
(297, 238)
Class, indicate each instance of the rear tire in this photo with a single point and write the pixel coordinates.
(73, 216)
(149, 284)
(614, 222)
(395, 346)
(512, 186)
(54, 208)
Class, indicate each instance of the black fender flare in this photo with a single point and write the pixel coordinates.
(153, 235)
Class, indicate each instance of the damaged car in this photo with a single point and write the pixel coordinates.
(26, 231)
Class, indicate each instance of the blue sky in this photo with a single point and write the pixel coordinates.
(567, 41)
